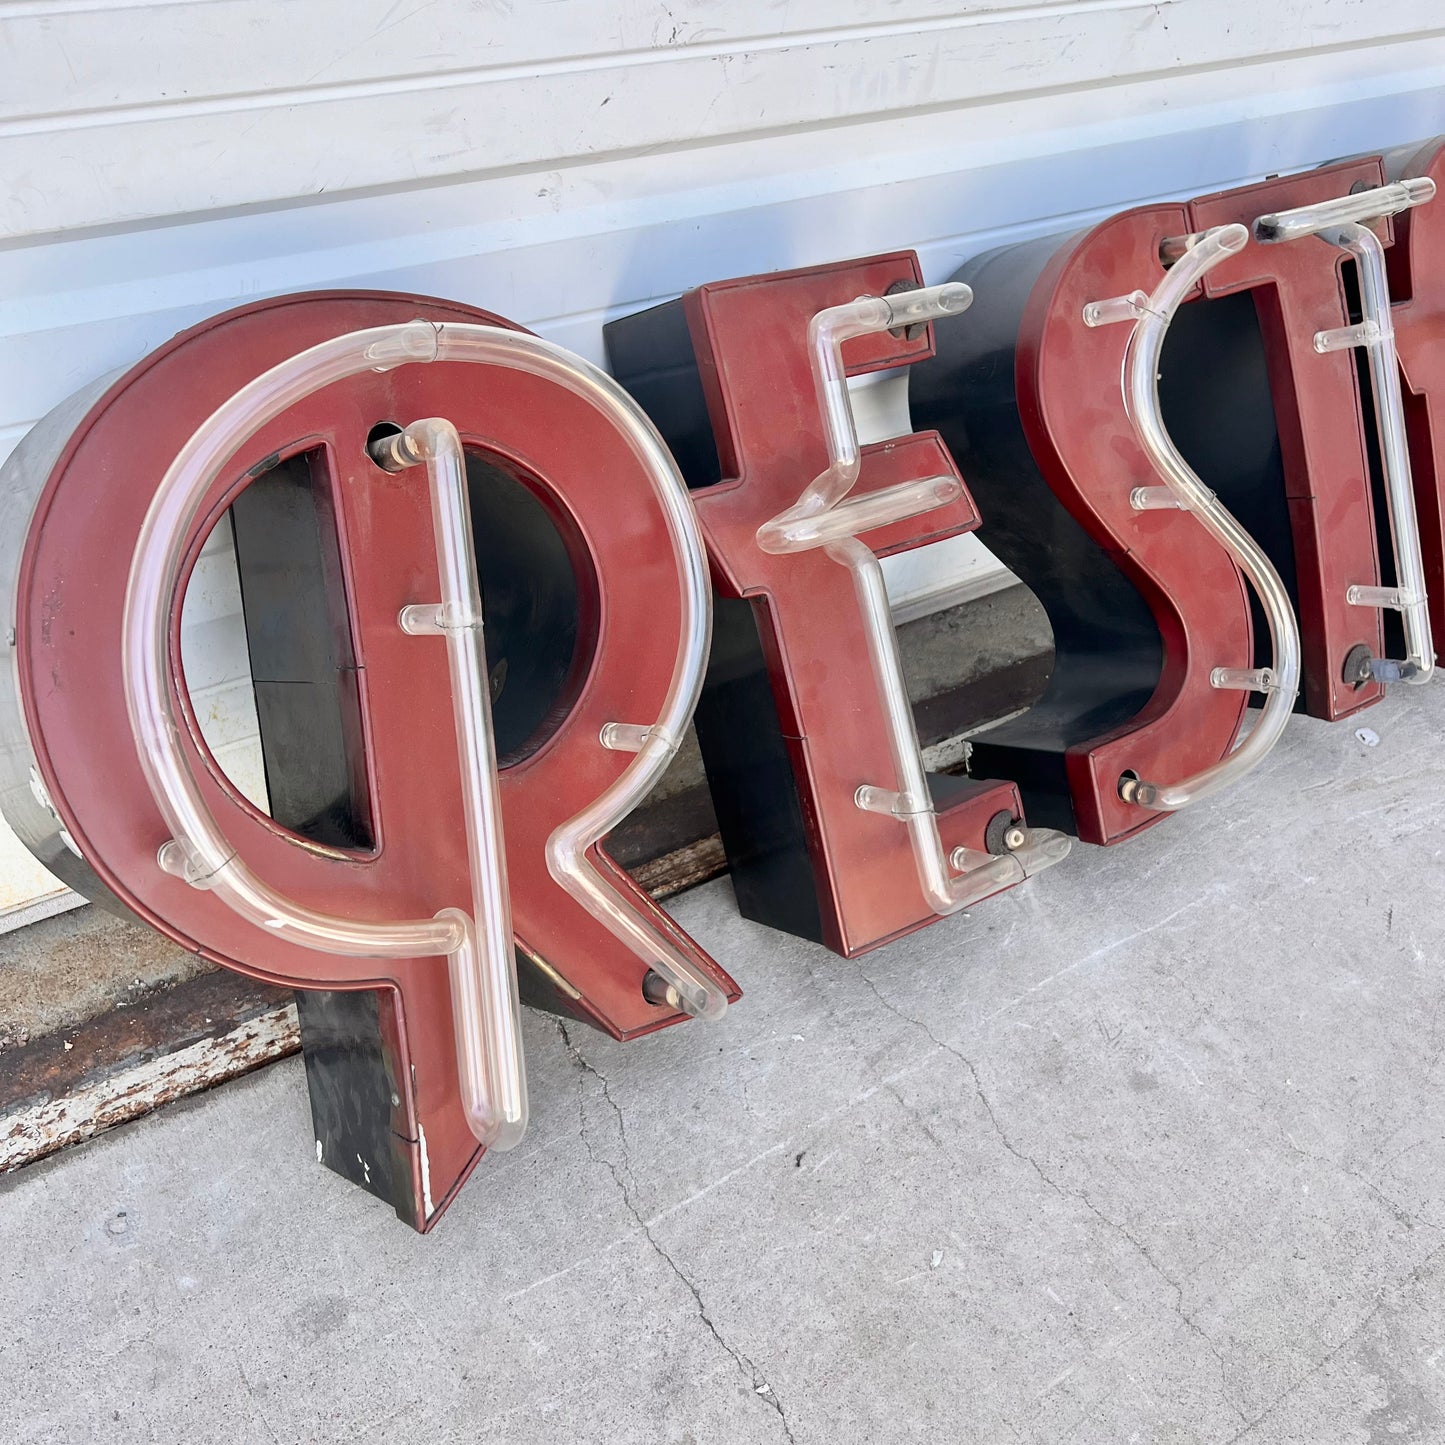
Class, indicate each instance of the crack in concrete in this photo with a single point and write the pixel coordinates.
(1397, 1210)
(627, 1189)
(1437, 1042)
(1064, 1192)
(1239, 1085)
(1207, 1010)
(1365, 1321)
(256, 1400)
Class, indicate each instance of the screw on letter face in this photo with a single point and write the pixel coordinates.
(791, 733)
(355, 713)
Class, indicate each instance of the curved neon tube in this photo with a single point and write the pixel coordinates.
(1339, 222)
(821, 514)
(824, 517)
(1152, 315)
(200, 851)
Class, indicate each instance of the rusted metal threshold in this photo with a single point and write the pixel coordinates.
(67, 1086)
(179, 1039)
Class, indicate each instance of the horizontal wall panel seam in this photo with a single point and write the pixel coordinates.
(389, 87)
(98, 182)
(589, 62)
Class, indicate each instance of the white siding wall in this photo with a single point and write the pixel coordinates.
(562, 161)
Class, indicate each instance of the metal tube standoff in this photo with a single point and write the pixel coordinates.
(1340, 222)
(1151, 316)
(824, 517)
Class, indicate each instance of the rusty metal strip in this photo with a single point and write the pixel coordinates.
(135, 1090)
(67, 1086)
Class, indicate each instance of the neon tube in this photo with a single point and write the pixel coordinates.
(199, 850)
(823, 516)
(486, 1015)
(1151, 316)
(1339, 223)
(1343, 211)
(821, 513)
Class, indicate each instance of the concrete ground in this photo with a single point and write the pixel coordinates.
(1150, 1150)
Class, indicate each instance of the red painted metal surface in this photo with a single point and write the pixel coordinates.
(1068, 388)
(72, 584)
(750, 337)
(1417, 266)
(1298, 291)
(1067, 379)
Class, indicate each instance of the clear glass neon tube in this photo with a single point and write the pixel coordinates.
(824, 517)
(1343, 210)
(1339, 222)
(486, 1015)
(823, 513)
(1151, 316)
(200, 851)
